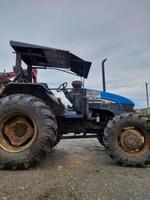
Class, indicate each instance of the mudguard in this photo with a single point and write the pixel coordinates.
(40, 91)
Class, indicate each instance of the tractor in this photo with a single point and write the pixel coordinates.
(33, 120)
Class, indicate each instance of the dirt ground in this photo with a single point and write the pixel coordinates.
(76, 170)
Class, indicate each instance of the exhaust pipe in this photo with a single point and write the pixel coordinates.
(103, 75)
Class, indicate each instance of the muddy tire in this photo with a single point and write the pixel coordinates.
(27, 131)
(127, 140)
(57, 141)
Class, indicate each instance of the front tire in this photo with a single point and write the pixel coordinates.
(27, 131)
(127, 140)
(101, 139)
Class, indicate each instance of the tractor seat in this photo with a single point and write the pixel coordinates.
(77, 84)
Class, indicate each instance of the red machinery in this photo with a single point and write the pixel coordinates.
(4, 77)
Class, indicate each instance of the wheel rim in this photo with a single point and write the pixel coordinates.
(133, 141)
(18, 131)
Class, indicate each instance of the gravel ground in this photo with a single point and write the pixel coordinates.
(76, 170)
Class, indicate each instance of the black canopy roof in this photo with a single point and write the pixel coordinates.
(35, 55)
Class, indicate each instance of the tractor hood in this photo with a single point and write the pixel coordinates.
(45, 57)
(96, 94)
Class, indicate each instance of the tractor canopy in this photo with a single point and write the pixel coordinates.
(46, 57)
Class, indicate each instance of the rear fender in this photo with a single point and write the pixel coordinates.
(40, 91)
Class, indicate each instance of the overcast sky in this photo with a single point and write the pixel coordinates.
(91, 29)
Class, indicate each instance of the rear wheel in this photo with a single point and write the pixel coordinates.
(27, 131)
(57, 139)
(127, 140)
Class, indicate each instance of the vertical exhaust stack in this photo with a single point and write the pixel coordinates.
(103, 75)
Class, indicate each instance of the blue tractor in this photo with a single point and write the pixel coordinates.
(33, 120)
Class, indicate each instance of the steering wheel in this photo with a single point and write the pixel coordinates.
(62, 87)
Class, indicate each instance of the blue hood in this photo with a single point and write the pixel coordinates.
(116, 98)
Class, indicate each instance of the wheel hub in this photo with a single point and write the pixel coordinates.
(132, 140)
(17, 132)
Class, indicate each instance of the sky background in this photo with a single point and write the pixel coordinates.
(93, 30)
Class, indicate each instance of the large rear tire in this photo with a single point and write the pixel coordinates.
(57, 140)
(27, 131)
(127, 140)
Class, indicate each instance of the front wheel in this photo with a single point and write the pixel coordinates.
(27, 131)
(101, 139)
(127, 140)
